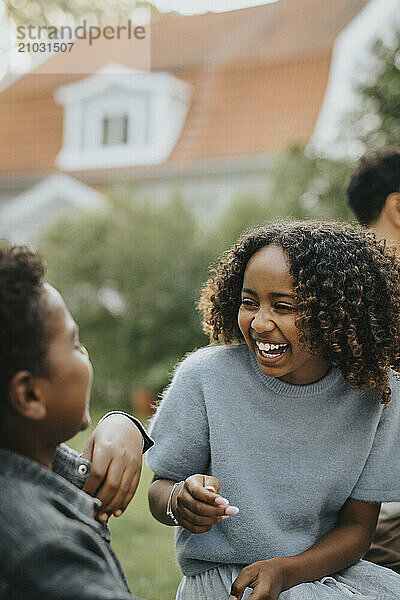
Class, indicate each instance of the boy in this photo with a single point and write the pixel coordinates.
(51, 546)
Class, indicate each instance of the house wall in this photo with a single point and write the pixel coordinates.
(205, 194)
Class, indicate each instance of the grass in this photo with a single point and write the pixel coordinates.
(144, 546)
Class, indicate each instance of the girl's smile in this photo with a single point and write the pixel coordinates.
(267, 317)
(270, 352)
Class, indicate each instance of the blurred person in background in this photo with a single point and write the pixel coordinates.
(373, 194)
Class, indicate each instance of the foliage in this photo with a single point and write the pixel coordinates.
(301, 186)
(62, 12)
(305, 186)
(376, 122)
(131, 275)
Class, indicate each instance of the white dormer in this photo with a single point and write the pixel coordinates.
(118, 117)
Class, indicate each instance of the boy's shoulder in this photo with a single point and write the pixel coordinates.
(35, 504)
(25, 512)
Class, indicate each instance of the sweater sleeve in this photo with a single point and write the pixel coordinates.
(380, 478)
(147, 441)
(180, 428)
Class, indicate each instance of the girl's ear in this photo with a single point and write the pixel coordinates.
(392, 207)
(26, 397)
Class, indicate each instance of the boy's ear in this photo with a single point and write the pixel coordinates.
(392, 208)
(26, 397)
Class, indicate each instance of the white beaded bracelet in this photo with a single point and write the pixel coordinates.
(168, 511)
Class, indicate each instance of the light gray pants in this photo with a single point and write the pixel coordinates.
(362, 581)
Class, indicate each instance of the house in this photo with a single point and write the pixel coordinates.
(23, 218)
(225, 92)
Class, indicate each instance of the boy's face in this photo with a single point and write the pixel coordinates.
(67, 388)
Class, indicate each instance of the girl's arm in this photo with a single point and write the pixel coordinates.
(115, 450)
(338, 549)
(158, 495)
(194, 506)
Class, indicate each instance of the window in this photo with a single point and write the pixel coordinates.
(115, 130)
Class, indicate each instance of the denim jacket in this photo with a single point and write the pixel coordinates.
(51, 547)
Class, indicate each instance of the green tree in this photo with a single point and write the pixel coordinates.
(304, 185)
(376, 122)
(131, 275)
(61, 12)
(301, 186)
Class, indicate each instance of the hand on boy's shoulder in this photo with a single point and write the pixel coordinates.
(115, 450)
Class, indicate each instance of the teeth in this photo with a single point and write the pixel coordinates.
(267, 347)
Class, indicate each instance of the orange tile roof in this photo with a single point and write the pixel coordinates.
(261, 109)
(284, 30)
(259, 76)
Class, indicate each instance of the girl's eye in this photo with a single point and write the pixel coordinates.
(248, 302)
(285, 307)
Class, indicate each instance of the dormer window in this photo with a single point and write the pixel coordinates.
(119, 117)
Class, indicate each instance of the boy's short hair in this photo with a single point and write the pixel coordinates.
(23, 332)
(376, 176)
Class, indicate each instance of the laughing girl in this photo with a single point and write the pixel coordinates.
(295, 418)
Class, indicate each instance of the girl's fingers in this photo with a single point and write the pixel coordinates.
(201, 488)
(125, 492)
(129, 495)
(244, 579)
(185, 500)
(197, 519)
(211, 484)
(199, 506)
(110, 486)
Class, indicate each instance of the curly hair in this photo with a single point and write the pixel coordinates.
(23, 332)
(347, 290)
(376, 176)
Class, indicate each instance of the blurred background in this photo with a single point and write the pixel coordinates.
(132, 167)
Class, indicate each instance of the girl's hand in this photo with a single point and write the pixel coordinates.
(266, 577)
(115, 451)
(198, 505)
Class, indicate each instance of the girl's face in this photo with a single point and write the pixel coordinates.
(267, 317)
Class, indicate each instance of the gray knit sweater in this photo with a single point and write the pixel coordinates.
(288, 456)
